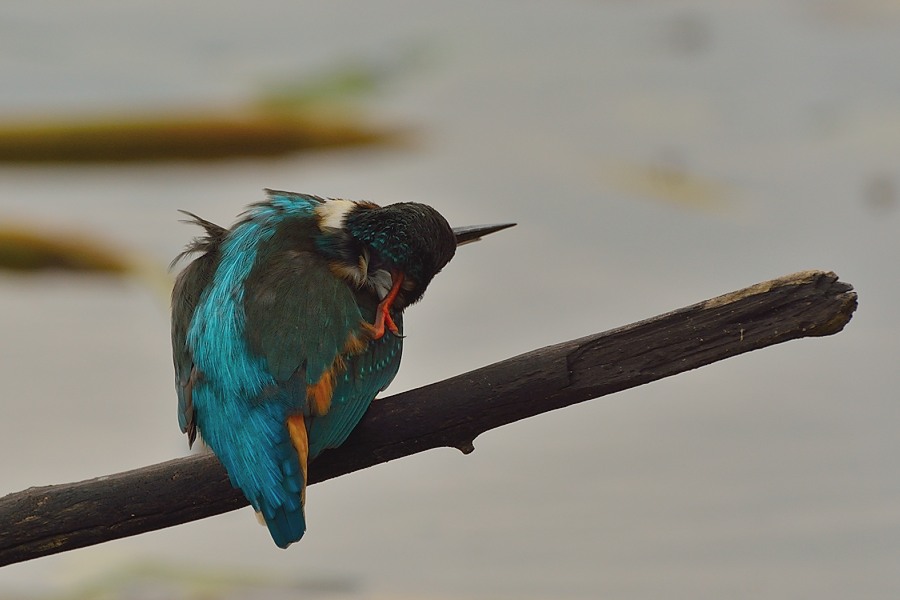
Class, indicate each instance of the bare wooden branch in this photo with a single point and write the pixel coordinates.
(46, 520)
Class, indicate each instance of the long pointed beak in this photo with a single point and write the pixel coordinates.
(473, 233)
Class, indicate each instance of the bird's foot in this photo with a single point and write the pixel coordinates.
(383, 318)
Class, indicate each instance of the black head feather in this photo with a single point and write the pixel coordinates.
(411, 237)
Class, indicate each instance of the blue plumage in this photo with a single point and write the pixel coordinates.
(280, 334)
(246, 433)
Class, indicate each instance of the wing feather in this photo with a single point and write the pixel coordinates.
(299, 315)
(189, 286)
(366, 374)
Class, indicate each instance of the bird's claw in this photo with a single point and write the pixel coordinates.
(383, 317)
(384, 321)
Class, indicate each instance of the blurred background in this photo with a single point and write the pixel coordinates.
(654, 154)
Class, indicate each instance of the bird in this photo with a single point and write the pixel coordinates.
(288, 324)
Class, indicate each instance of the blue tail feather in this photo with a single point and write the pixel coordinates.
(283, 511)
(286, 525)
(271, 477)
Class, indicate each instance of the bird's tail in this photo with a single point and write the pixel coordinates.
(287, 521)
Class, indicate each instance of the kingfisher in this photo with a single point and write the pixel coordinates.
(287, 325)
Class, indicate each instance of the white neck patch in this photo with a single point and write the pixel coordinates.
(333, 213)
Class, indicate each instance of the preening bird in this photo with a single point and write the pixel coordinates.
(287, 325)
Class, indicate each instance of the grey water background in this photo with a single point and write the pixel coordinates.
(771, 475)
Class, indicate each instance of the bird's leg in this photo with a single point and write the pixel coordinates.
(383, 312)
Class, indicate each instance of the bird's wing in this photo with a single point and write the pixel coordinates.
(189, 286)
(299, 317)
(365, 375)
(312, 330)
(308, 327)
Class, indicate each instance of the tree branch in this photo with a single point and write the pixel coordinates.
(46, 520)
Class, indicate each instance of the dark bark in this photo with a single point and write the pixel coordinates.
(46, 520)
